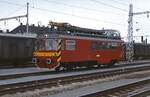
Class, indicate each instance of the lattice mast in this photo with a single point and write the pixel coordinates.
(130, 48)
(130, 51)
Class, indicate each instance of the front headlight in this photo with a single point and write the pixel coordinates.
(48, 61)
(34, 60)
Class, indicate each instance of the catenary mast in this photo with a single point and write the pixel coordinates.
(130, 48)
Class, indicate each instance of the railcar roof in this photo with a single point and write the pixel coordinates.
(83, 34)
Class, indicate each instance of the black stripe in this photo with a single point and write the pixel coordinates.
(59, 49)
(59, 56)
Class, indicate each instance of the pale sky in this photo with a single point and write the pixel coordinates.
(96, 14)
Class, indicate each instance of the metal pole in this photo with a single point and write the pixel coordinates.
(130, 46)
(15, 17)
(27, 29)
(130, 51)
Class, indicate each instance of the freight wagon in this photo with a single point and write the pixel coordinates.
(141, 51)
(16, 49)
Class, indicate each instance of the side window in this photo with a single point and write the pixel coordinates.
(111, 45)
(114, 45)
(70, 44)
(94, 45)
(103, 45)
(98, 45)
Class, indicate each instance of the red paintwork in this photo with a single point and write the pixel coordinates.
(84, 52)
(42, 62)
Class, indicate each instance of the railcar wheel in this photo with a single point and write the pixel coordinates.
(57, 68)
(111, 64)
(99, 66)
(69, 68)
(89, 66)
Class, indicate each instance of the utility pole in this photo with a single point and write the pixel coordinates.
(18, 17)
(27, 25)
(130, 47)
(130, 52)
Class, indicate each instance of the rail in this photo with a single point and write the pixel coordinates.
(135, 89)
(50, 82)
(19, 75)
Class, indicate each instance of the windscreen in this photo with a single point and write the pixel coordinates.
(46, 44)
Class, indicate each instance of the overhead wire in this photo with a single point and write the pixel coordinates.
(18, 9)
(108, 5)
(83, 17)
(85, 8)
(69, 14)
(127, 4)
(11, 3)
(116, 1)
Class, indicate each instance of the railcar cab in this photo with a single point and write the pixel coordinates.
(46, 53)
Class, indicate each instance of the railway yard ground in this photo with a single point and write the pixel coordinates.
(22, 70)
(82, 83)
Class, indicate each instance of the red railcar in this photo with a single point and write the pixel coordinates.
(78, 48)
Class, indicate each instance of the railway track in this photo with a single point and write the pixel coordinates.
(12, 76)
(19, 75)
(51, 82)
(136, 89)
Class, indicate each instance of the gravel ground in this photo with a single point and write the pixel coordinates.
(78, 89)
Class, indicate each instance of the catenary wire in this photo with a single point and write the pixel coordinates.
(68, 14)
(108, 5)
(85, 8)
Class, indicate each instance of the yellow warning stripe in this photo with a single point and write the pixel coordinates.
(59, 59)
(45, 54)
(59, 51)
(59, 48)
